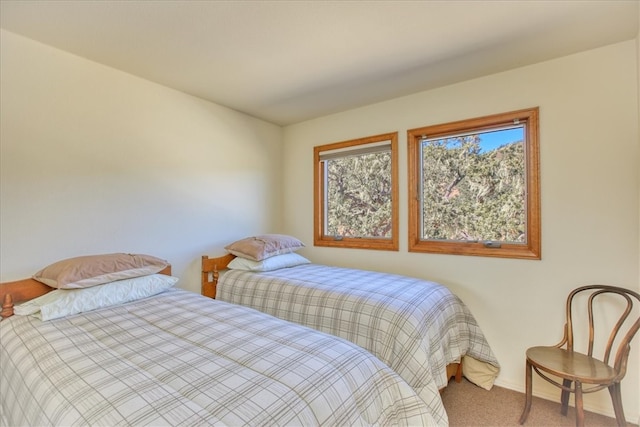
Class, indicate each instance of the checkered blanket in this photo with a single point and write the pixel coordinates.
(180, 359)
(414, 326)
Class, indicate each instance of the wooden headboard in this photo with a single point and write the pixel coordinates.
(12, 293)
(211, 270)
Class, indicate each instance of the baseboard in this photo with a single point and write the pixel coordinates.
(633, 418)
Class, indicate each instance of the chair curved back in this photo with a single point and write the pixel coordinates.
(624, 329)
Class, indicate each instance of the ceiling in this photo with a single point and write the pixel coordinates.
(289, 61)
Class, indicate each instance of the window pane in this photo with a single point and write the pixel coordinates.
(359, 195)
(473, 187)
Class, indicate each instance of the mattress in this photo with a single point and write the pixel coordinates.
(415, 326)
(178, 359)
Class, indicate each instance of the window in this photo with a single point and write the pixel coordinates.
(474, 187)
(356, 193)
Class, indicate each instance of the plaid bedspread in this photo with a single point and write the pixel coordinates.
(180, 359)
(415, 326)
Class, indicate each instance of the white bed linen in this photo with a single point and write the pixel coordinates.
(414, 326)
(178, 358)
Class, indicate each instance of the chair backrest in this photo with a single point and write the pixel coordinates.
(622, 331)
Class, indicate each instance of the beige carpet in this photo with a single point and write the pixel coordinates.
(468, 405)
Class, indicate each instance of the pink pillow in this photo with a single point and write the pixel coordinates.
(264, 246)
(92, 270)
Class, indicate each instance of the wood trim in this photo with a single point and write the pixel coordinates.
(530, 250)
(319, 239)
(211, 271)
(18, 291)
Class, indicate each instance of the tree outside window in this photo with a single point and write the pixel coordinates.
(356, 194)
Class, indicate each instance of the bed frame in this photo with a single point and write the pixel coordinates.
(211, 268)
(12, 293)
(211, 271)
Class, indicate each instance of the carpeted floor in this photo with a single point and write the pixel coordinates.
(469, 406)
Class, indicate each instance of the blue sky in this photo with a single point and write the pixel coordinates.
(494, 139)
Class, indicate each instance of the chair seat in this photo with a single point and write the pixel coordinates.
(570, 365)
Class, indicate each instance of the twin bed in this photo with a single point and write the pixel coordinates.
(301, 344)
(177, 358)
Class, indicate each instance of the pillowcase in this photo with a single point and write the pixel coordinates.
(264, 246)
(271, 263)
(92, 270)
(480, 373)
(66, 302)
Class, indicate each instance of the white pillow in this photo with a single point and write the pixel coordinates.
(273, 263)
(66, 302)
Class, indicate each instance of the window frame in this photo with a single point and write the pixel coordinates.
(529, 250)
(319, 238)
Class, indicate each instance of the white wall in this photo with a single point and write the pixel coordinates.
(589, 184)
(638, 83)
(94, 160)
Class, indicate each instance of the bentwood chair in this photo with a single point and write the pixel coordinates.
(583, 372)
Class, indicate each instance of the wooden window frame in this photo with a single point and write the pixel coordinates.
(529, 250)
(319, 238)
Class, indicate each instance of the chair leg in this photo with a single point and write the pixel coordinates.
(528, 392)
(616, 398)
(579, 405)
(564, 397)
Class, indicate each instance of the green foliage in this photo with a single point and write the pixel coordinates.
(467, 194)
(359, 196)
(473, 195)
